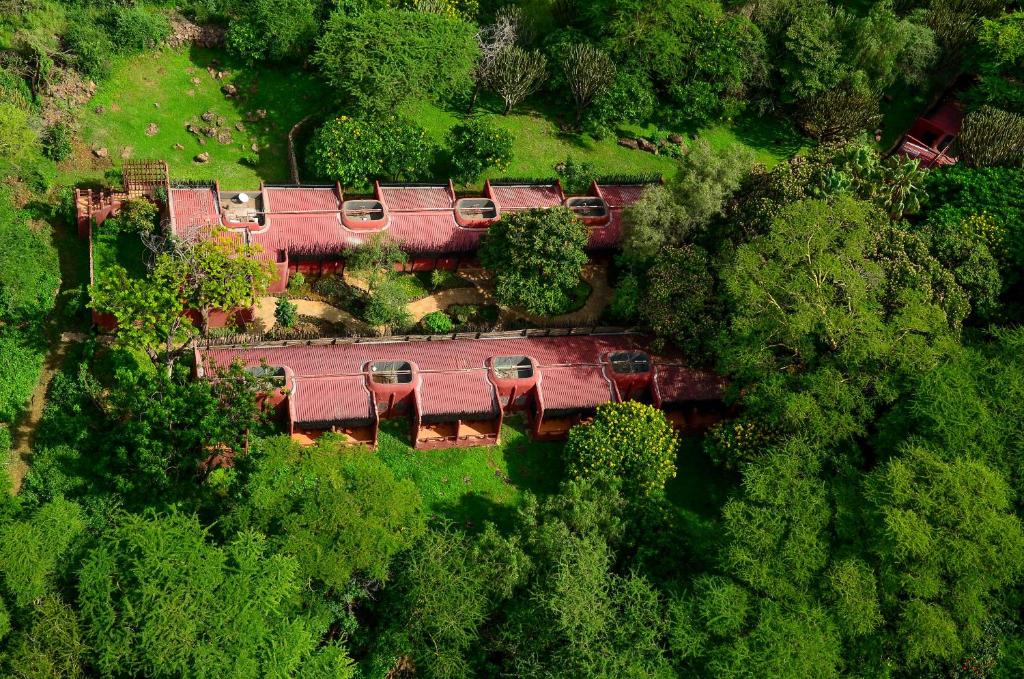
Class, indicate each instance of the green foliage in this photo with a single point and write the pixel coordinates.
(629, 441)
(1000, 63)
(17, 140)
(272, 30)
(946, 537)
(991, 137)
(29, 270)
(681, 299)
(537, 257)
(22, 358)
(357, 151)
(135, 28)
(140, 613)
(286, 313)
(378, 58)
(51, 644)
(57, 142)
(35, 553)
(339, 512)
(625, 304)
(437, 323)
(136, 216)
(91, 48)
(576, 176)
(296, 281)
(475, 146)
(386, 304)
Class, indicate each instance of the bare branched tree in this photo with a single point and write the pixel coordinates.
(494, 39)
(518, 74)
(589, 71)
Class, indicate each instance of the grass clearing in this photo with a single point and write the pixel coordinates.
(471, 485)
(171, 88)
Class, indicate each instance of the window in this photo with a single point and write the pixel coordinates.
(391, 372)
(512, 367)
(630, 362)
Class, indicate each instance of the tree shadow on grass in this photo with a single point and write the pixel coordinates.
(770, 134)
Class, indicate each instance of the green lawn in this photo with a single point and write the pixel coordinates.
(539, 143)
(124, 249)
(471, 485)
(157, 87)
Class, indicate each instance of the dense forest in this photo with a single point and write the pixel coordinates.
(859, 511)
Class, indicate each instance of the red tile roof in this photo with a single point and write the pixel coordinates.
(421, 217)
(330, 383)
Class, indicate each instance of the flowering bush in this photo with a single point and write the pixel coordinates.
(630, 441)
(356, 151)
(477, 145)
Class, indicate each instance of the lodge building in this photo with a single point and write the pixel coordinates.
(457, 392)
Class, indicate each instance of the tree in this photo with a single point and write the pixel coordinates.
(629, 441)
(680, 301)
(840, 113)
(272, 30)
(340, 513)
(516, 74)
(136, 216)
(156, 596)
(29, 269)
(386, 305)
(588, 72)
(537, 257)
(378, 58)
(220, 272)
(679, 212)
(990, 136)
(478, 145)
(494, 40)
(357, 151)
(286, 313)
(946, 539)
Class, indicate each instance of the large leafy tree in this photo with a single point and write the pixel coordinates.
(339, 513)
(273, 30)
(356, 151)
(537, 257)
(158, 598)
(380, 57)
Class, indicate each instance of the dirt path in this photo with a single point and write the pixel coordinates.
(441, 300)
(264, 320)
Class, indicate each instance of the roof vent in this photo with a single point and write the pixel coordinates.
(512, 367)
(476, 212)
(629, 362)
(591, 210)
(365, 214)
(391, 372)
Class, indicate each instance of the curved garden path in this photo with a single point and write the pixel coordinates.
(263, 314)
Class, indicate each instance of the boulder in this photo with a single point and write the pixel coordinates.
(240, 126)
(202, 142)
(209, 116)
(676, 138)
(203, 157)
(210, 131)
(152, 129)
(220, 121)
(101, 152)
(156, 104)
(191, 129)
(261, 113)
(179, 147)
(646, 145)
(229, 90)
(629, 143)
(196, 81)
(255, 148)
(99, 109)
(126, 152)
(224, 137)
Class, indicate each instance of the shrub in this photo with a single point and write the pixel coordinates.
(356, 151)
(630, 99)
(437, 322)
(22, 361)
(476, 145)
(296, 281)
(29, 269)
(437, 278)
(629, 441)
(291, 23)
(286, 313)
(135, 29)
(57, 142)
(90, 47)
(576, 176)
(137, 215)
(625, 303)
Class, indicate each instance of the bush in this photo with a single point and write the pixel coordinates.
(137, 215)
(626, 301)
(629, 100)
(437, 322)
(29, 269)
(356, 151)
(90, 47)
(22, 361)
(292, 23)
(57, 142)
(629, 441)
(576, 176)
(296, 281)
(286, 313)
(477, 145)
(135, 29)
